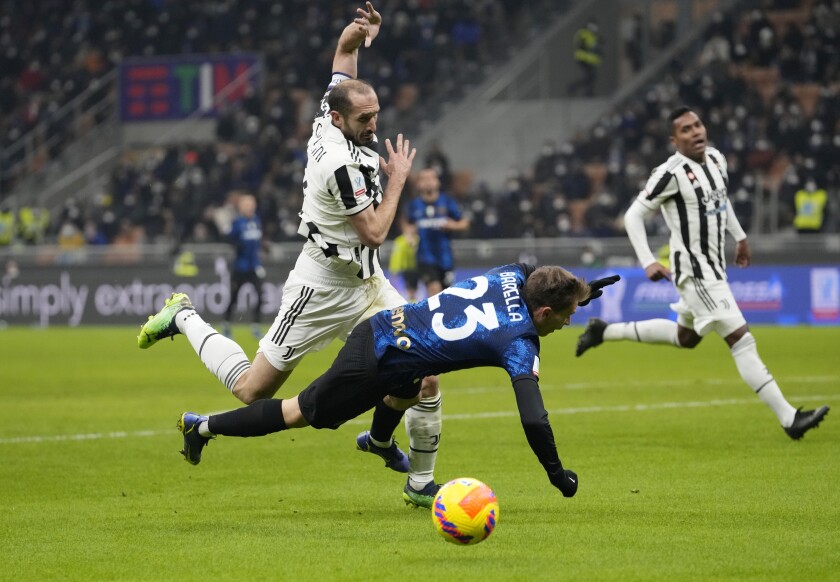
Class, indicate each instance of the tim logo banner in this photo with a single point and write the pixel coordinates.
(169, 88)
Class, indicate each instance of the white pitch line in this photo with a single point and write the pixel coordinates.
(654, 383)
(466, 416)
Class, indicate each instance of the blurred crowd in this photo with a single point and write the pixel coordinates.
(430, 52)
(766, 87)
(768, 91)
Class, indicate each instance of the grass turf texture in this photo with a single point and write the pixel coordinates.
(673, 485)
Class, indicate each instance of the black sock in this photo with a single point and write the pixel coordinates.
(257, 419)
(385, 421)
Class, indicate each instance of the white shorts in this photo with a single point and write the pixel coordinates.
(706, 306)
(318, 307)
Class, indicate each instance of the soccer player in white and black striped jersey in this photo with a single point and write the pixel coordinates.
(337, 281)
(690, 189)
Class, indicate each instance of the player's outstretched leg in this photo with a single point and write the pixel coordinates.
(804, 421)
(394, 458)
(161, 325)
(193, 442)
(223, 357)
(592, 336)
(424, 498)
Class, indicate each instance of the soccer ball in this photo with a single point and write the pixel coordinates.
(465, 511)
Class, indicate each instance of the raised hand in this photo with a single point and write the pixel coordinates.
(596, 288)
(399, 159)
(371, 20)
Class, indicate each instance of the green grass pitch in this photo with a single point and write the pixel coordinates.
(685, 474)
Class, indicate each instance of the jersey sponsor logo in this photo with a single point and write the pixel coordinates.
(716, 195)
(398, 323)
(716, 210)
(510, 290)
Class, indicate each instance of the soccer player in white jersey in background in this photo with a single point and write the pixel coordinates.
(337, 280)
(690, 188)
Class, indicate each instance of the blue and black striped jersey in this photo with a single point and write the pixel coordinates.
(481, 321)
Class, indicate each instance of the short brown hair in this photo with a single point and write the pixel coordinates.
(339, 98)
(554, 287)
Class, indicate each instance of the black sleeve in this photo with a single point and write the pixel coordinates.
(534, 419)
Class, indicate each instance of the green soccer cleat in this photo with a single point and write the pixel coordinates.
(162, 324)
(424, 498)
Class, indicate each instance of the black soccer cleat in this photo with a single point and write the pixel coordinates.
(804, 421)
(592, 336)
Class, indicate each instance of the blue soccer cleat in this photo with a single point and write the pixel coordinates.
(394, 458)
(193, 442)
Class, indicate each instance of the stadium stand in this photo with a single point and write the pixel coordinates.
(765, 80)
(431, 52)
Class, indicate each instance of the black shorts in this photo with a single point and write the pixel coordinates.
(410, 278)
(352, 385)
(429, 273)
(239, 278)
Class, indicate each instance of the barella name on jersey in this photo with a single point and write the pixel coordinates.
(510, 290)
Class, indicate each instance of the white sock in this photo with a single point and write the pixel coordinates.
(222, 356)
(758, 377)
(422, 423)
(380, 444)
(204, 429)
(650, 331)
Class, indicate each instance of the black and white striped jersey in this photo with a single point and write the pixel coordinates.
(341, 179)
(693, 199)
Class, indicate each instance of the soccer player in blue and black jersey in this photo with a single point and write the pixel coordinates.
(246, 236)
(495, 319)
(436, 216)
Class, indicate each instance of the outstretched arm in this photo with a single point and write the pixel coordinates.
(362, 30)
(538, 431)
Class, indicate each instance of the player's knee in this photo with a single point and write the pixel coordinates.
(688, 338)
(429, 387)
(401, 404)
(248, 392)
(736, 335)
